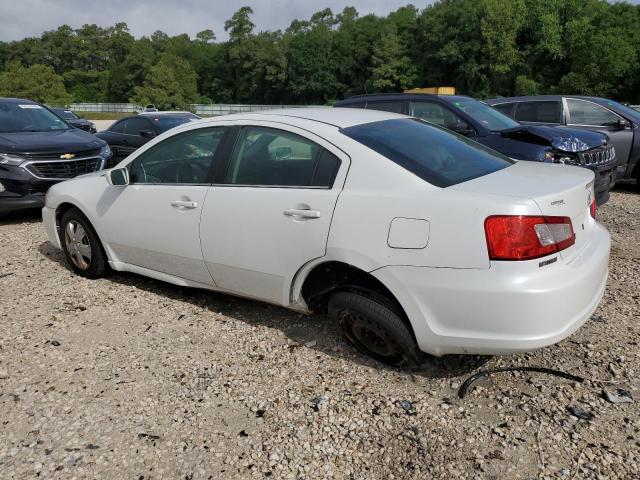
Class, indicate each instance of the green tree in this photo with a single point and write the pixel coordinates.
(170, 84)
(37, 82)
(391, 70)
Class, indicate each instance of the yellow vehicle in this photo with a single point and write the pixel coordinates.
(433, 90)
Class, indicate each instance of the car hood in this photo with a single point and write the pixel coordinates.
(563, 139)
(67, 141)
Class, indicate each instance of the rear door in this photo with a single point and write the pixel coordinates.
(270, 210)
(591, 116)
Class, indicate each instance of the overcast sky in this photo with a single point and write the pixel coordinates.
(27, 18)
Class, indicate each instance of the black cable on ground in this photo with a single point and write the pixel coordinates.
(468, 383)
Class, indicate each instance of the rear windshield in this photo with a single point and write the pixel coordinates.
(434, 154)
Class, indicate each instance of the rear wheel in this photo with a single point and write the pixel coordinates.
(373, 326)
(81, 245)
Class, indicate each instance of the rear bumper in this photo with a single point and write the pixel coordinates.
(508, 308)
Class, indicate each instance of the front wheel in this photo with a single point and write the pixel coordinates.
(373, 326)
(81, 245)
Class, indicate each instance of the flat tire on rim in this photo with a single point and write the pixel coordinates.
(375, 327)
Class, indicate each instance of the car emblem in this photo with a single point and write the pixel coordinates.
(67, 156)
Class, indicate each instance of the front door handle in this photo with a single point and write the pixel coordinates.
(184, 204)
(302, 213)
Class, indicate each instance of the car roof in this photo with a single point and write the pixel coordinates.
(402, 96)
(542, 97)
(17, 100)
(166, 112)
(337, 117)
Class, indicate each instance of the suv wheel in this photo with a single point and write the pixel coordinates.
(81, 245)
(373, 326)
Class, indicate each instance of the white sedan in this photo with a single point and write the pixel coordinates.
(413, 238)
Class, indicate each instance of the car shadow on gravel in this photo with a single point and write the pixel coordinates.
(22, 216)
(304, 331)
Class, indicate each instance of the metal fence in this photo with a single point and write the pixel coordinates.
(105, 107)
(211, 109)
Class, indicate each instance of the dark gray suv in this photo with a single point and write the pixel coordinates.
(618, 121)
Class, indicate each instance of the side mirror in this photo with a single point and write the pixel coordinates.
(623, 124)
(463, 129)
(147, 133)
(118, 177)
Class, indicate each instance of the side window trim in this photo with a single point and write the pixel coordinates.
(566, 103)
(230, 148)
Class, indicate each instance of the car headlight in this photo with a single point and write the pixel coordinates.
(569, 144)
(9, 159)
(105, 151)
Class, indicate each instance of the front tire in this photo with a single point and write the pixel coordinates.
(81, 245)
(375, 327)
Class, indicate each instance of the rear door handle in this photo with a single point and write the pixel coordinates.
(184, 204)
(302, 213)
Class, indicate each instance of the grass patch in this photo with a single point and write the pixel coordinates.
(103, 115)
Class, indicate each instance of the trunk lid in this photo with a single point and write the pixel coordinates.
(557, 190)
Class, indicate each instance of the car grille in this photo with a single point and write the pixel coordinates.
(57, 155)
(60, 169)
(597, 156)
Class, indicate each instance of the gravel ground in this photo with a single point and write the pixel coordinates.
(126, 377)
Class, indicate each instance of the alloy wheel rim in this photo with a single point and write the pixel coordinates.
(78, 245)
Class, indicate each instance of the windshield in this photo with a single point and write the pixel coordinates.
(66, 114)
(433, 153)
(165, 123)
(16, 117)
(482, 113)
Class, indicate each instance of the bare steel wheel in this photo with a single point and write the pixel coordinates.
(375, 327)
(78, 244)
(81, 245)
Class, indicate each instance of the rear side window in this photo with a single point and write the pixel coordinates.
(398, 106)
(539, 112)
(434, 154)
(270, 157)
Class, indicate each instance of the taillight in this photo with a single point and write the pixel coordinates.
(593, 208)
(519, 237)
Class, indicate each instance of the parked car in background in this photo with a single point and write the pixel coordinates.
(618, 121)
(412, 237)
(478, 121)
(150, 108)
(128, 134)
(74, 120)
(39, 149)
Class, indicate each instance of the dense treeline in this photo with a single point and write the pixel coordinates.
(482, 47)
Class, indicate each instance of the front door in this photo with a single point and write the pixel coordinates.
(154, 221)
(270, 211)
(591, 116)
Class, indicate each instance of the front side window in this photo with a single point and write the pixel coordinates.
(28, 117)
(539, 112)
(135, 126)
(272, 157)
(505, 108)
(440, 115)
(586, 113)
(434, 154)
(181, 159)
